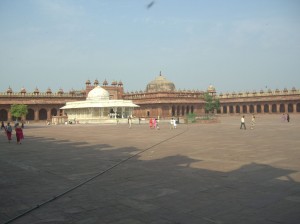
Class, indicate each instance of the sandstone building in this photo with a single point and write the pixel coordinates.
(160, 98)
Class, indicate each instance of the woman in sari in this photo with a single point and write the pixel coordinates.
(19, 133)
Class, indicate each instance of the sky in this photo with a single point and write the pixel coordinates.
(233, 45)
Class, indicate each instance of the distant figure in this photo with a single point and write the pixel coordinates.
(130, 121)
(288, 118)
(252, 122)
(154, 123)
(150, 123)
(2, 125)
(283, 118)
(19, 133)
(243, 122)
(8, 130)
(172, 123)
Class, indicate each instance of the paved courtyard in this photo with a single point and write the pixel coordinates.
(197, 173)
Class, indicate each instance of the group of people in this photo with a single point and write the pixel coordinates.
(243, 123)
(8, 130)
(153, 123)
(285, 117)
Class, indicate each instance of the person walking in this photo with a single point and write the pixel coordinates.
(8, 130)
(252, 121)
(243, 122)
(19, 133)
(130, 121)
(2, 125)
(288, 118)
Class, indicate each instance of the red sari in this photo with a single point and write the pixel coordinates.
(19, 134)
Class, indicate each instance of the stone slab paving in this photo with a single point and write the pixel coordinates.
(197, 173)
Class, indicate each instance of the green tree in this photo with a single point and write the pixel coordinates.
(18, 110)
(211, 103)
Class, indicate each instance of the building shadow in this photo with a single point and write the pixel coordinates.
(102, 184)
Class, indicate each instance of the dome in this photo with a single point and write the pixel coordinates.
(160, 83)
(98, 93)
(211, 89)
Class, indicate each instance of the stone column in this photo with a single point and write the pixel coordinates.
(294, 108)
(49, 114)
(9, 117)
(286, 107)
(36, 114)
(278, 107)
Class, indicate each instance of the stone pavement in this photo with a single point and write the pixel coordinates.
(197, 173)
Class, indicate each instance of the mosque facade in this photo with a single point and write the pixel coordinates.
(159, 99)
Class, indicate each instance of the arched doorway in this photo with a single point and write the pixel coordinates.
(173, 110)
(298, 107)
(182, 110)
(281, 108)
(30, 115)
(188, 109)
(274, 108)
(251, 109)
(178, 110)
(192, 109)
(258, 108)
(224, 109)
(266, 108)
(231, 109)
(290, 108)
(245, 109)
(3, 115)
(237, 109)
(43, 114)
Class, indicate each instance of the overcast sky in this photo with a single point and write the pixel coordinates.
(234, 45)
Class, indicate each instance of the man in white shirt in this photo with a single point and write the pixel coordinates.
(243, 122)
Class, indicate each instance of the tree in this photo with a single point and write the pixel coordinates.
(211, 103)
(18, 110)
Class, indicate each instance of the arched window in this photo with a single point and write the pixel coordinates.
(30, 115)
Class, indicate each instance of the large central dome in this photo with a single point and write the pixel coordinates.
(98, 93)
(160, 84)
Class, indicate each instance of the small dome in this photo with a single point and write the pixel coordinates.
(23, 90)
(96, 82)
(9, 90)
(114, 83)
(160, 83)
(49, 91)
(120, 83)
(36, 91)
(60, 91)
(105, 83)
(98, 93)
(88, 82)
